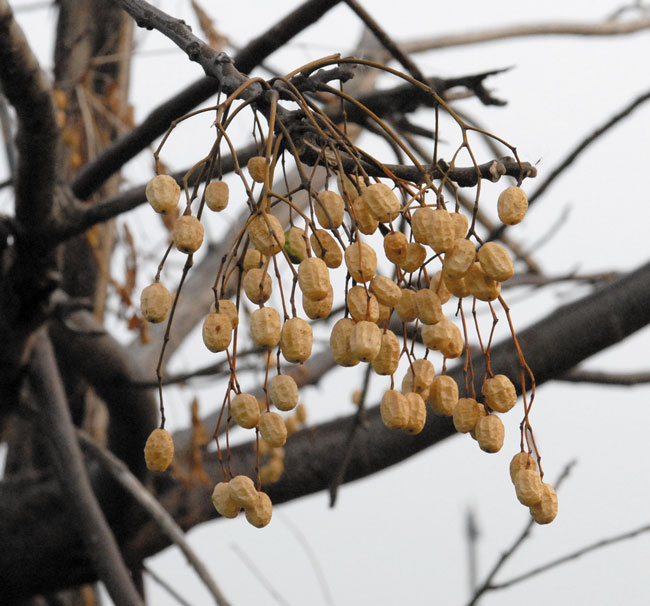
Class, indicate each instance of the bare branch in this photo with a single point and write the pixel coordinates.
(605, 378)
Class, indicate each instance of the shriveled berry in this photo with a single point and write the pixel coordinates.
(159, 450)
(326, 248)
(266, 234)
(283, 392)
(242, 491)
(362, 305)
(387, 360)
(365, 341)
(512, 205)
(265, 326)
(163, 193)
(155, 302)
(258, 168)
(188, 234)
(253, 258)
(418, 377)
(365, 220)
(417, 413)
(428, 306)
(226, 306)
(296, 340)
(406, 307)
(461, 224)
(318, 310)
(257, 285)
(545, 511)
(528, 486)
(480, 285)
(415, 256)
(459, 258)
(394, 409)
(467, 412)
(296, 244)
(438, 286)
(272, 429)
(387, 292)
(361, 261)
(396, 247)
(381, 201)
(500, 394)
(522, 460)
(443, 395)
(490, 433)
(340, 343)
(216, 195)
(217, 332)
(442, 235)
(314, 278)
(496, 262)
(329, 208)
(245, 410)
(260, 512)
(223, 502)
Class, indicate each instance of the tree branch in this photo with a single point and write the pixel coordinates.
(577, 375)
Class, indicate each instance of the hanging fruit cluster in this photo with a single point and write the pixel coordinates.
(412, 258)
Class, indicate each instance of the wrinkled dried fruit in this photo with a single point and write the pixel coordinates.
(444, 336)
(272, 429)
(296, 244)
(155, 302)
(296, 340)
(217, 332)
(163, 193)
(480, 285)
(253, 258)
(428, 306)
(265, 325)
(216, 195)
(301, 413)
(283, 392)
(496, 262)
(382, 202)
(340, 343)
(457, 286)
(187, 234)
(245, 410)
(361, 261)
(159, 450)
(459, 258)
(467, 412)
(490, 433)
(362, 305)
(292, 424)
(406, 307)
(242, 491)
(257, 285)
(266, 234)
(394, 409)
(386, 291)
(314, 278)
(522, 460)
(260, 512)
(318, 310)
(384, 315)
(365, 220)
(545, 511)
(415, 256)
(326, 248)
(422, 224)
(223, 502)
(528, 486)
(442, 235)
(226, 306)
(438, 286)
(365, 341)
(418, 377)
(512, 205)
(329, 208)
(461, 224)
(417, 413)
(395, 247)
(500, 394)
(257, 167)
(350, 186)
(443, 395)
(387, 360)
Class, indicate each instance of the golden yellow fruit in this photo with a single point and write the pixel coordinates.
(428, 305)
(490, 433)
(422, 224)
(326, 248)
(522, 460)
(155, 302)
(365, 341)
(350, 186)
(242, 491)
(223, 502)
(443, 395)
(266, 233)
(459, 258)
(442, 236)
(381, 202)
(512, 205)
(418, 377)
(461, 224)
(362, 305)
(260, 512)
(387, 360)
(361, 261)
(329, 208)
(159, 450)
(384, 315)
(265, 326)
(365, 220)
(496, 262)
(415, 256)
(395, 247)
(406, 307)
(301, 413)
(187, 234)
(296, 340)
(417, 413)
(314, 278)
(216, 195)
(466, 414)
(480, 285)
(528, 486)
(457, 286)
(272, 429)
(296, 244)
(394, 409)
(283, 392)
(257, 285)
(163, 193)
(438, 286)
(545, 511)
(318, 310)
(386, 291)
(444, 336)
(258, 168)
(253, 258)
(217, 332)
(340, 343)
(245, 410)
(500, 394)
(226, 306)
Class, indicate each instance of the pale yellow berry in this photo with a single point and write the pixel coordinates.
(496, 262)
(258, 168)
(314, 278)
(459, 258)
(545, 511)
(340, 342)
(522, 460)
(242, 491)
(365, 220)
(406, 307)
(272, 471)
(395, 247)
(365, 341)
(443, 395)
(245, 410)
(480, 285)
(259, 513)
(296, 244)
(384, 315)
(394, 409)
(386, 291)
(361, 261)
(292, 424)
(381, 201)
(350, 186)
(467, 412)
(461, 224)
(418, 377)
(253, 258)
(438, 286)
(421, 224)
(528, 486)
(512, 205)
(296, 340)
(318, 310)
(326, 248)
(266, 234)
(499, 392)
(226, 306)
(329, 208)
(362, 305)
(417, 413)
(283, 392)
(217, 332)
(456, 286)
(216, 195)
(163, 193)
(257, 285)
(387, 360)
(444, 336)
(155, 302)
(159, 450)
(223, 502)
(265, 326)
(442, 235)
(272, 429)
(428, 306)
(490, 433)
(415, 256)
(187, 234)
(301, 413)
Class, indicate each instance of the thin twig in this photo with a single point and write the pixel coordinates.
(165, 585)
(258, 574)
(605, 378)
(165, 522)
